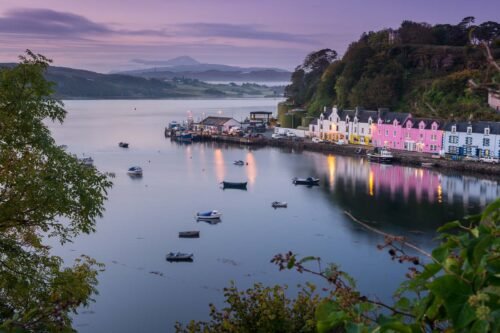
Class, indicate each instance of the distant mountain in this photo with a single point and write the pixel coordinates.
(81, 84)
(188, 67)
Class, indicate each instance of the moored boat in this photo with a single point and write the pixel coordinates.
(123, 144)
(380, 155)
(427, 164)
(189, 234)
(239, 162)
(306, 181)
(235, 185)
(135, 171)
(186, 137)
(210, 215)
(279, 204)
(179, 256)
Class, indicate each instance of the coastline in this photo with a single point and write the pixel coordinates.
(407, 158)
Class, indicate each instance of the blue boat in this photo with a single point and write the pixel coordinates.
(187, 137)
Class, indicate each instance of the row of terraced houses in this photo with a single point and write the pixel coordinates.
(402, 131)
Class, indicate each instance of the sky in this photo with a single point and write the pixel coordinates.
(111, 35)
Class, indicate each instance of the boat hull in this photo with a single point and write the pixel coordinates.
(189, 234)
(380, 159)
(239, 186)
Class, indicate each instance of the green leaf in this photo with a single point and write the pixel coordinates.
(306, 259)
(328, 316)
(454, 293)
(356, 328)
(440, 253)
(449, 225)
(389, 323)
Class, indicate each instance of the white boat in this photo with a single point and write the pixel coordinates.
(87, 161)
(135, 171)
(279, 204)
(210, 215)
(427, 164)
(380, 155)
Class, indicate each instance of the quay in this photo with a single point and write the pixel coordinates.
(409, 158)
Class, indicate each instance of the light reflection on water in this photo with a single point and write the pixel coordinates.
(143, 216)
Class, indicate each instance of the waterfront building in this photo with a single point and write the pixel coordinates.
(480, 139)
(213, 124)
(422, 135)
(388, 131)
(260, 117)
(353, 126)
(494, 100)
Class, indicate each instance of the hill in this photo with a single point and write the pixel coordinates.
(418, 68)
(81, 84)
(188, 67)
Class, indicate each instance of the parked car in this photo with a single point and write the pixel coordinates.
(276, 136)
(488, 159)
(471, 158)
(291, 134)
(340, 142)
(316, 140)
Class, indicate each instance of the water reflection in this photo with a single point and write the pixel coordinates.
(220, 169)
(251, 168)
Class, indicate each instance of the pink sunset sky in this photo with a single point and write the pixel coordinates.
(106, 35)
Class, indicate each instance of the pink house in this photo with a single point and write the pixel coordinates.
(388, 131)
(422, 135)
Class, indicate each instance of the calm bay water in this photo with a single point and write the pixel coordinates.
(144, 216)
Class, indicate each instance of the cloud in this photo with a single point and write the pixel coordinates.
(49, 22)
(241, 31)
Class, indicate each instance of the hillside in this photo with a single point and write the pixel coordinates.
(417, 68)
(80, 84)
(188, 67)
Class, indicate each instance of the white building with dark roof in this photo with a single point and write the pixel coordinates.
(214, 124)
(479, 138)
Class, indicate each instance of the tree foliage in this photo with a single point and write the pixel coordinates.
(397, 69)
(456, 288)
(260, 310)
(44, 192)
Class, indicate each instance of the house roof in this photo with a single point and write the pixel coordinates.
(477, 126)
(327, 112)
(427, 121)
(261, 112)
(389, 117)
(215, 121)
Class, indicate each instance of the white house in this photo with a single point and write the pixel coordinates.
(494, 100)
(216, 124)
(479, 139)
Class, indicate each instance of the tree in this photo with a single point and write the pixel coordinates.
(44, 192)
(306, 77)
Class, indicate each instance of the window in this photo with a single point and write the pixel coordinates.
(453, 139)
(394, 144)
(433, 147)
(421, 135)
(468, 140)
(486, 142)
(369, 131)
(321, 126)
(395, 133)
(453, 129)
(330, 127)
(386, 132)
(407, 135)
(362, 130)
(486, 131)
(433, 137)
(421, 126)
(408, 125)
(452, 149)
(469, 130)
(355, 129)
(370, 121)
(434, 127)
